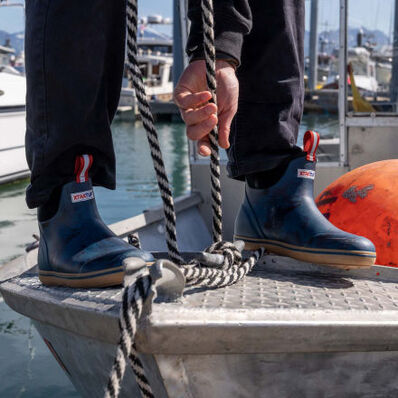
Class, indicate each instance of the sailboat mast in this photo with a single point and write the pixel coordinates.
(394, 78)
(180, 29)
(313, 67)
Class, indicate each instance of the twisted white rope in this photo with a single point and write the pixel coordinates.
(130, 312)
(233, 267)
(148, 122)
(210, 59)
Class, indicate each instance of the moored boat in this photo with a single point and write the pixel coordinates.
(13, 164)
(155, 57)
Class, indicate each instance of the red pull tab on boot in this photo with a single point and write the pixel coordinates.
(311, 142)
(83, 164)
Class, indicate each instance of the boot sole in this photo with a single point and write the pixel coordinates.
(342, 259)
(96, 279)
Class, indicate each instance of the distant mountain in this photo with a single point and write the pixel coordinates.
(16, 39)
(377, 37)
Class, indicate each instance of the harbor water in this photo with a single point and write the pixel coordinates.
(27, 368)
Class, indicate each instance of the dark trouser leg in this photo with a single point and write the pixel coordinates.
(74, 65)
(265, 128)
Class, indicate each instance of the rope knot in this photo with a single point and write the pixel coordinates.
(230, 253)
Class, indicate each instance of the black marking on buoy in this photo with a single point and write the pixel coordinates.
(326, 201)
(353, 193)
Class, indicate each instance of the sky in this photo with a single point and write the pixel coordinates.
(372, 14)
(11, 18)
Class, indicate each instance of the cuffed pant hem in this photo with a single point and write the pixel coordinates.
(238, 171)
(38, 193)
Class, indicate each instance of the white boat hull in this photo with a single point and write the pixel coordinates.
(13, 163)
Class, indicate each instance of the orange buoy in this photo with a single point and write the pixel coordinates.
(365, 202)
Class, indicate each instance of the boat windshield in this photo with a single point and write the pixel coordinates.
(359, 66)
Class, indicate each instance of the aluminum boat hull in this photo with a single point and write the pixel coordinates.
(273, 375)
(288, 329)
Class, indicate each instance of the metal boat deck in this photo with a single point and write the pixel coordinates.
(288, 329)
(311, 307)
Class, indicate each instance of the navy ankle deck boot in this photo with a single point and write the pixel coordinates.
(285, 220)
(76, 248)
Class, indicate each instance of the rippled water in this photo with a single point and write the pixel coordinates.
(27, 368)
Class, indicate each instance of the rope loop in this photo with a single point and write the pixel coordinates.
(232, 255)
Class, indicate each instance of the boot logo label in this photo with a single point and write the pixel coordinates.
(82, 196)
(304, 173)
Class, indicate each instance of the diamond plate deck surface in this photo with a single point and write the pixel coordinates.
(98, 299)
(264, 288)
(300, 290)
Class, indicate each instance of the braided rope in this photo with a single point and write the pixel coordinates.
(130, 312)
(148, 122)
(210, 59)
(233, 268)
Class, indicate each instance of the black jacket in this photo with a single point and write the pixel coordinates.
(232, 20)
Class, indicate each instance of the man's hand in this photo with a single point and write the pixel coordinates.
(191, 95)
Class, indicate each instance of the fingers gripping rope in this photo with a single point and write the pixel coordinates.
(232, 267)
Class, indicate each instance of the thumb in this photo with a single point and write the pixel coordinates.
(224, 128)
(204, 146)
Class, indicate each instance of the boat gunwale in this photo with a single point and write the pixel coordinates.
(203, 331)
(173, 329)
